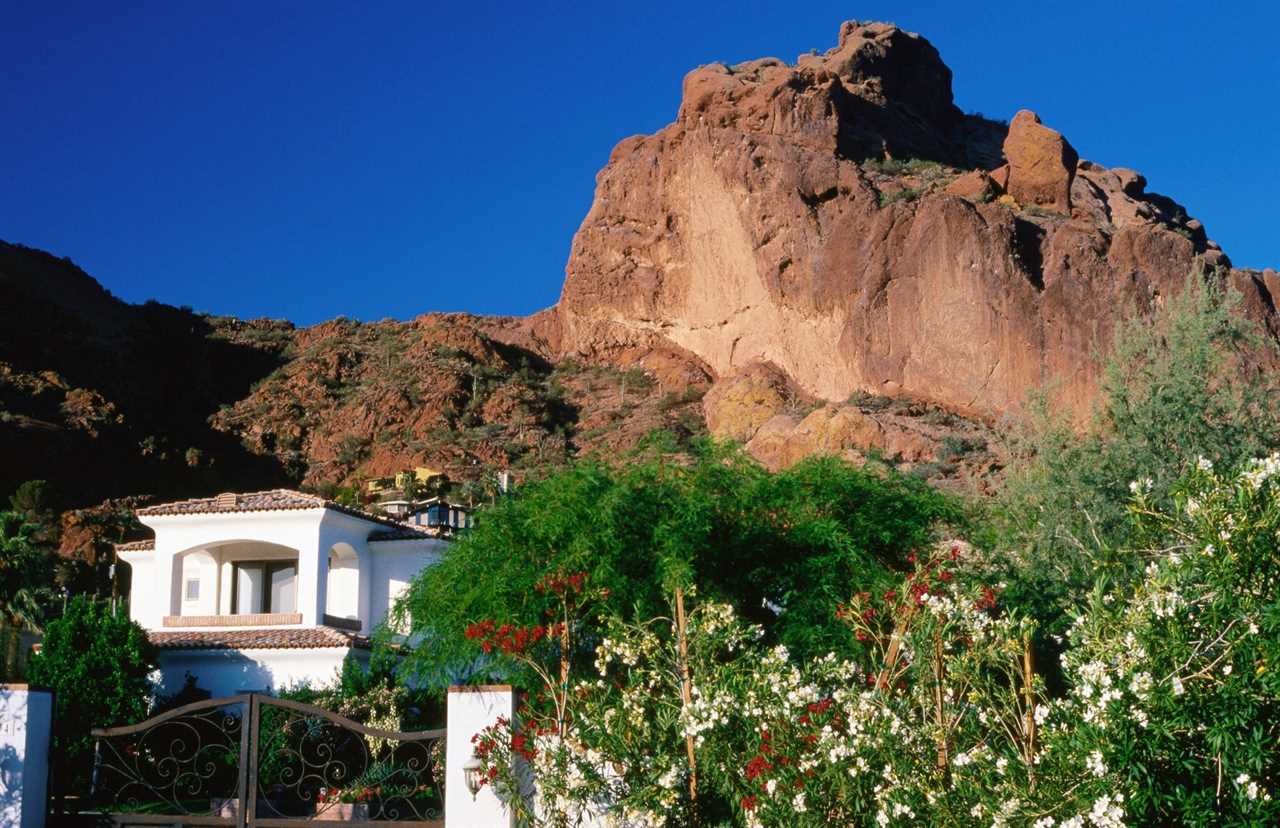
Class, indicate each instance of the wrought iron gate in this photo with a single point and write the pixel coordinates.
(255, 761)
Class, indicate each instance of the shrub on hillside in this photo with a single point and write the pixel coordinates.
(1183, 383)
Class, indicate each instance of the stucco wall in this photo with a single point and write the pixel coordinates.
(203, 546)
(227, 672)
(201, 565)
(342, 598)
(472, 709)
(26, 716)
(395, 563)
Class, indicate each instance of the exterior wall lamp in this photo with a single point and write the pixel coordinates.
(472, 774)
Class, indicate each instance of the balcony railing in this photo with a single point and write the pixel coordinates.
(257, 619)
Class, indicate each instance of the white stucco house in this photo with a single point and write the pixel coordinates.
(265, 590)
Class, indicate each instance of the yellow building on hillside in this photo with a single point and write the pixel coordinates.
(420, 475)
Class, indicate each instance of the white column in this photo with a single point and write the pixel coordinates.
(163, 593)
(26, 716)
(364, 564)
(472, 709)
(313, 577)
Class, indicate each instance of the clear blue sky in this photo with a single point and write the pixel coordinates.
(309, 159)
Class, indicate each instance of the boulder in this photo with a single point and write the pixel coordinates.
(772, 445)
(842, 431)
(975, 186)
(1041, 164)
(736, 407)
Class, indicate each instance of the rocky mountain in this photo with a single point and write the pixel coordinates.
(106, 399)
(841, 223)
(825, 256)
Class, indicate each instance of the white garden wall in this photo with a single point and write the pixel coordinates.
(228, 672)
(26, 715)
(472, 709)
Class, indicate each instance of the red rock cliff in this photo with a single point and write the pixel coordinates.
(841, 219)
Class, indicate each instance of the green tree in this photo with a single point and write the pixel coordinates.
(786, 548)
(1185, 382)
(34, 500)
(97, 662)
(26, 571)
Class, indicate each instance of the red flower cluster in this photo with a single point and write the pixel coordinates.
(758, 765)
(336, 795)
(485, 741)
(508, 638)
(782, 749)
(919, 588)
(562, 584)
(520, 745)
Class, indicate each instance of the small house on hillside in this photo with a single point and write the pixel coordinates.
(439, 515)
(420, 476)
(264, 590)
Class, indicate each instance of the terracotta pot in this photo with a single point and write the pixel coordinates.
(342, 811)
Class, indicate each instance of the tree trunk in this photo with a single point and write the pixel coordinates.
(939, 677)
(12, 637)
(686, 695)
(1029, 701)
(894, 652)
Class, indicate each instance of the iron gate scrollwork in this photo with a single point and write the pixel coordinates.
(254, 760)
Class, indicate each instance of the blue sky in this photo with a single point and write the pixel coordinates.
(309, 160)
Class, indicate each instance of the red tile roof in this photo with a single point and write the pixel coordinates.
(409, 533)
(304, 638)
(273, 500)
(136, 546)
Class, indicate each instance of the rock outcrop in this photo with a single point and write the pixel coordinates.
(841, 219)
(736, 407)
(1042, 164)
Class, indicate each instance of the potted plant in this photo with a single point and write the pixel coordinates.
(345, 803)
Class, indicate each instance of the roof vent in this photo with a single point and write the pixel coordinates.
(226, 500)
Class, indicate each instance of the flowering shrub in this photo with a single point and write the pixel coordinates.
(936, 713)
(936, 723)
(1175, 696)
